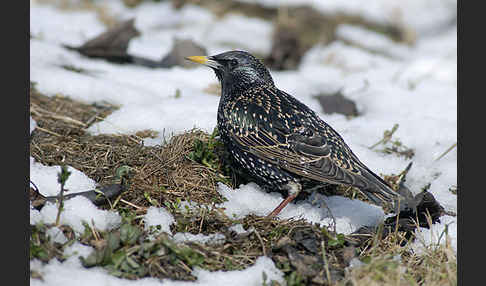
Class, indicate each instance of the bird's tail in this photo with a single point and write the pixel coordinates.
(380, 193)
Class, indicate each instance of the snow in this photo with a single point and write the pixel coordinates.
(371, 40)
(238, 229)
(391, 83)
(77, 211)
(349, 214)
(161, 217)
(214, 238)
(77, 249)
(158, 216)
(56, 235)
(71, 272)
(244, 28)
(45, 178)
(355, 263)
(437, 235)
(250, 276)
(33, 124)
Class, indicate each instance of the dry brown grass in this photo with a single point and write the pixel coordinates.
(168, 174)
(165, 173)
(390, 264)
(392, 260)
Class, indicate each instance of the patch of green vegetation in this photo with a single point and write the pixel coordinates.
(41, 246)
(62, 178)
(174, 205)
(278, 231)
(177, 93)
(337, 241)
(150, 200)
(127, 214)
(204, 151)
(119, 252)
(334, 241)
(294, 279)
(38, 248)
(187, 254)
(209, 154)
(128, 252)
(182, 225)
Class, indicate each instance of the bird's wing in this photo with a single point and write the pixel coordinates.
(288, 134)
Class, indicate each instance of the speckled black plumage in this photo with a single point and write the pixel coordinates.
(278, 139)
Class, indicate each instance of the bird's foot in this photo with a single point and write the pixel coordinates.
(294, 190)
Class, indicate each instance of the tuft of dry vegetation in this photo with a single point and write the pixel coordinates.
(392, 261)
(393, 146)
(169, 174)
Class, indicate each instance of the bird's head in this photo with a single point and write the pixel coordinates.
(236, 69)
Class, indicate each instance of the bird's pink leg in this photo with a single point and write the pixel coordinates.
(285, 202)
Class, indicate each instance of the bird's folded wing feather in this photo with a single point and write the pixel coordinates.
(297, 141)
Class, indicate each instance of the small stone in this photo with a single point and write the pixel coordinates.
(181, 49)
(337, 103)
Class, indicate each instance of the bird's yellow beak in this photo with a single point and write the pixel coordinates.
(198, 59)
(207, 61)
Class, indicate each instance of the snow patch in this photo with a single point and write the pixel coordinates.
(45, 178)
(158, 216)
(213, 238)
(77, 211)
(349, 214)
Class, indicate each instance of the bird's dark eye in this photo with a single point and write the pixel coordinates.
(232, 63)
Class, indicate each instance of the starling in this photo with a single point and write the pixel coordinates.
(277, 139)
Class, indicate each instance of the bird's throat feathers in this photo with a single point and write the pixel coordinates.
(240, 81)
